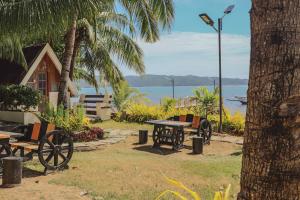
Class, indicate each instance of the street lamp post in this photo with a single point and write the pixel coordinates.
(210, 22)
(173, 85)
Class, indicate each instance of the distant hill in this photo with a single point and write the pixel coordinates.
(189, 80)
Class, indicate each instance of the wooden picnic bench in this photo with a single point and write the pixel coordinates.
(172, 131)
(53, 147)
(168, 132)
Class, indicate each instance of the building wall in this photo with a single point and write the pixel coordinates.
(46, 69)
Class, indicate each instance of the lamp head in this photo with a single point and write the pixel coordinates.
(229, 9)
(206, 19)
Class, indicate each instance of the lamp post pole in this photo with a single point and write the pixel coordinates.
(173, 85)
(220, 74)
(210, 22)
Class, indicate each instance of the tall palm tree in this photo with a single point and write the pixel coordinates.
(110, 44)
(271, 150)
(47, 18)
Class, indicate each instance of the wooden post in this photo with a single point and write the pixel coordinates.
(197, 145)
(143, 136)
(12, 171)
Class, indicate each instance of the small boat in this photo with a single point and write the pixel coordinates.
(243, 100)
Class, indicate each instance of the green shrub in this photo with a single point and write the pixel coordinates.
(70, 120)
(232, 124)
(140, 113)
(18, 97)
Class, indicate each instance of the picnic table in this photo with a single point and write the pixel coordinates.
(168, 132)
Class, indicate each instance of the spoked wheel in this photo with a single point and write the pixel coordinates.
(55, 150)
(205, 131)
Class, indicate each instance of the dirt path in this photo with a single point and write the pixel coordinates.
(38, 188)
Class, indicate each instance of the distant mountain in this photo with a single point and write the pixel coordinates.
(189, 80)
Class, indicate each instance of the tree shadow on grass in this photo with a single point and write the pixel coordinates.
(156, 150)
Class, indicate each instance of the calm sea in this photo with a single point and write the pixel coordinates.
(155, 94)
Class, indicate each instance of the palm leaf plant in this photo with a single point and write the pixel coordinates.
(206, 100)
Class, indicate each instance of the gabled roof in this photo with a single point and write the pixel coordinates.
(14, 73)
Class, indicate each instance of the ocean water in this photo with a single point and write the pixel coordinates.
(155, 94)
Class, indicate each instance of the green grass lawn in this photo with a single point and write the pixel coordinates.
(126, 171)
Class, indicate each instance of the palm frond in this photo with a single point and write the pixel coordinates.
(11, 50)
(124, 48)
(141, 13)
(164, 11)
(41, 18)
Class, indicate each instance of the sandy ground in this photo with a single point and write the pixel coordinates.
(37, 187)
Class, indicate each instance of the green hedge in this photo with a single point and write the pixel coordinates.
(18, 97)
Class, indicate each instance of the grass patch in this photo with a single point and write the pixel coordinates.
(121, 173)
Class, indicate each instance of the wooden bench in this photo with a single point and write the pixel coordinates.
(53, 147)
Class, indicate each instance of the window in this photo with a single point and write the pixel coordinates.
(42, 83)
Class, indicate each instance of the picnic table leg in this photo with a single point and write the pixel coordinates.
(175, 138)
(180, 136)
(156, 136)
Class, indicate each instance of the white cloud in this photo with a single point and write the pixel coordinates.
(183, 53)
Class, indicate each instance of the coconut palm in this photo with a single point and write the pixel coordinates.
(270, 166)
(46, 18)
(111, 44)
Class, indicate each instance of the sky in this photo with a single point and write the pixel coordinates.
(191, 47)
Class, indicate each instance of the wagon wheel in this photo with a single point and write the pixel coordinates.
(55, 150)
(155, 136)
(5, 151)
(205, 131)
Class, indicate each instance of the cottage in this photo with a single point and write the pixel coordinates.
(43, 72)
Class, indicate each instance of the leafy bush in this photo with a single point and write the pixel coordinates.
(70, 120)
(89, 135)
(141, 113)
(126, 95)
(168, 104)
(18, 97)
(232, 124)
(207, 102)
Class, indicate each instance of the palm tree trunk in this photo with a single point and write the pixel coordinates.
(77, 43)
(67, 58)
(271, 151)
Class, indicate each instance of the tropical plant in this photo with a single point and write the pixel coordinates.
(68, 119)
(233, 124)
(125, 95)
(206, 101)
(220, 195)
(168, 104)
(18, 97)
